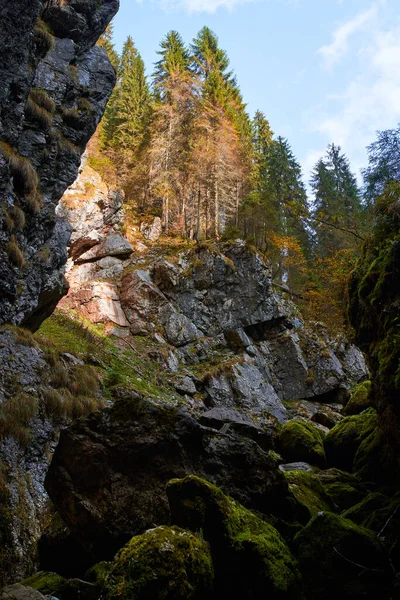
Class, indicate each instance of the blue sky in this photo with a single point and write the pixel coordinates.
(322, 71)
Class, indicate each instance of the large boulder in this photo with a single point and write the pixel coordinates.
(131, 451)
(55, 86)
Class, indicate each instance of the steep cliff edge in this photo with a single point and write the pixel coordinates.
(55, 86)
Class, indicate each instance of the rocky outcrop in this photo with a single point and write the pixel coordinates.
(55, 86)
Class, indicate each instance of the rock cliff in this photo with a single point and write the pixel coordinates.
(54, 88)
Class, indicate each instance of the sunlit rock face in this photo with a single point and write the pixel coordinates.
(54, 88)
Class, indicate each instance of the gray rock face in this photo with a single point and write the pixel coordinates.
(225, 291)
(54, 88)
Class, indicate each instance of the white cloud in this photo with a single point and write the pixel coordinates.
(337, 49)
(370, 102)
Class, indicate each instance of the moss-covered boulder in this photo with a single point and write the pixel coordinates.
(371, 454)
(360, 399)
(345, 489)
(343, 495)
(251, 559)
(301, 441)
(308, 495)
(381, 514)
(343, 441)
(166, 563)
(339, 559)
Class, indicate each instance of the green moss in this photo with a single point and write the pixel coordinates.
(342, 442)
(362, 511)
(300, 441)
(339, 559)
(166, 563)
(360, 399)
(98, 573)
(47, 583)
(250, 557)
(343, 495)
(308, 494)
(374, 312)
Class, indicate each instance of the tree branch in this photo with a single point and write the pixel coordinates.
(328, 224)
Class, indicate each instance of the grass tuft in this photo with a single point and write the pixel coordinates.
(15, 416)
(44, 39)
(38, 114)
(19, 218)
(15, 254)
(42, 99)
